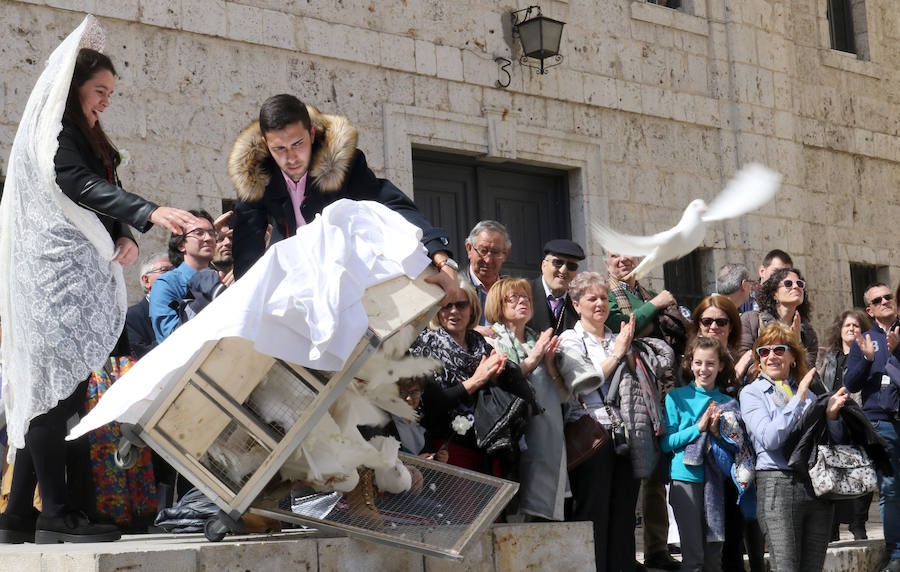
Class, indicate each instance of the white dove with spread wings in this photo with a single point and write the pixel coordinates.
(751, 188)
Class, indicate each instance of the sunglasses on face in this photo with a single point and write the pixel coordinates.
(877, 300)
(461, 305)
(558, 263)
(764, 351)
(412, 393)
(721, 322)
(791, 283)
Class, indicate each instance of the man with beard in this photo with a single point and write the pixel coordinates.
(223, 261)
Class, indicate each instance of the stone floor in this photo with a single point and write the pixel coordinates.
(844, 555)
(537, 546)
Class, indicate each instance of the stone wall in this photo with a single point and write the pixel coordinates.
(652, 107)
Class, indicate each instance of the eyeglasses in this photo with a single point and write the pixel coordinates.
(791, 283)
(160, 269)
(202, 234)
(764, 351)
(492, 252)
(558, 263)
(516, 298)
(460, 306)
(721, 322)
(412, 393)
(878, 299)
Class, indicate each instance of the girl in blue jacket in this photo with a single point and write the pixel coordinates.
(692, 412)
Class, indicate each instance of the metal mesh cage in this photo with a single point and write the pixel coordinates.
(446, 508)
(234, 456)
(280, 398)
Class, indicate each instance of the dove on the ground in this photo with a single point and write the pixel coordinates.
(752, 187)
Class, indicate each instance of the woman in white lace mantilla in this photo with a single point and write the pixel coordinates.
(64, 233)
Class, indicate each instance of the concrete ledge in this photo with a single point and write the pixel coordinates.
(560, 546)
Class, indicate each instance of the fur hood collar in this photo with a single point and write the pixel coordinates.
(332, 152)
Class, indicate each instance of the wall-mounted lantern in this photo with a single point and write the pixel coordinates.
(540, 37)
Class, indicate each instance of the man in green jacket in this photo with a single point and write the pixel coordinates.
(628, 296)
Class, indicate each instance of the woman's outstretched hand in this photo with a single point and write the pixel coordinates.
(175, 220)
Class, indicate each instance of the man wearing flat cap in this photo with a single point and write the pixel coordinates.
(552, 305)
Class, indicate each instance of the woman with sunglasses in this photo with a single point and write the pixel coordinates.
(717, 317)
(469, 364)
(782, 298)
(796, 523)
(542, 464)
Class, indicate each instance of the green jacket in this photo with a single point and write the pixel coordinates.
(644, 313)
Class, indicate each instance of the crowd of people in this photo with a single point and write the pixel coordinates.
(704, 409)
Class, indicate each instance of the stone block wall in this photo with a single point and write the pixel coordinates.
(651, 108)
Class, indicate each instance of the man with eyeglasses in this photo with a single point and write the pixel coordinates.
(873, 367)
(190, 252)
(487, 245)
(559, 266)
(137, 319)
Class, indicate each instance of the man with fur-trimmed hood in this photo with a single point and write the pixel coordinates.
(293, 163)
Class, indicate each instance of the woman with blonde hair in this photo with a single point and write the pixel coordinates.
(796, 523)
(542, 465)
(469, 364)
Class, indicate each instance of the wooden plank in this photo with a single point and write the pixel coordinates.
(193, 422)
(392, 304)
(236, 367)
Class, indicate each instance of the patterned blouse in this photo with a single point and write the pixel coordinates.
(445, 398)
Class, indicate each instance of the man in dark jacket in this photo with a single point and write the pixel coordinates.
(552, 304)
(873, 367)
(293, 163)
(137, 319)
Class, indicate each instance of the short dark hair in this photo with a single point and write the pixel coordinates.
(176, 257)
(282, 110)
(869, 287)
(779, 254)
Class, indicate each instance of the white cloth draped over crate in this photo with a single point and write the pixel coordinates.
(301, 302)
(62, 300)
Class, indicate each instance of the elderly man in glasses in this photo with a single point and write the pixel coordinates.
(562, 258)
(190, 252)
(487, 246)
(137, 319)
(626, 297)
(873, 367)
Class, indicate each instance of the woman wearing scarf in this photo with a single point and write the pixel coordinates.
(64, 229)
(542, 464)
(795, 522)
(469, 364)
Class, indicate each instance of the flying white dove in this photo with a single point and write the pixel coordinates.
(751, 188)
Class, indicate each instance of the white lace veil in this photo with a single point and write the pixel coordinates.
(61, 299)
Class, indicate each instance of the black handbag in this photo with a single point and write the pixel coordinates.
(584, 437)
(502, 411)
